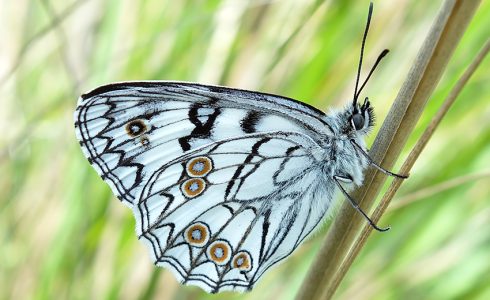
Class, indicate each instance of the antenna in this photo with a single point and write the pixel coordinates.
(380, 57)
(357, 91)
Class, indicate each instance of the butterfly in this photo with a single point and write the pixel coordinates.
(223, 183)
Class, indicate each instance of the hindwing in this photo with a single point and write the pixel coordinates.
(221, 215)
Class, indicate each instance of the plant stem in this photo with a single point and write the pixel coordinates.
(409, 162)
(424, 193)
(439, 45)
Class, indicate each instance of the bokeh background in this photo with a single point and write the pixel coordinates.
(63, 235)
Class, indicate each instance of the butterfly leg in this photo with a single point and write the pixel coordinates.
(372, 163)
(354, 204)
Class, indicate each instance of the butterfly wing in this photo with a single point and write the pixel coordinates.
(129, 130)
(222, 214)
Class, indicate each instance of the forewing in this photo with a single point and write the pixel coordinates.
(127, 131)
(254, 200)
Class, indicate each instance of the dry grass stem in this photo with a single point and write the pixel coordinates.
(450, 24)
(436, 189)
(410, 161)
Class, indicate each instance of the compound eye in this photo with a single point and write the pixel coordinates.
(357, 121)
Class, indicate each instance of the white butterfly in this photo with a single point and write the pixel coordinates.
(223, 183)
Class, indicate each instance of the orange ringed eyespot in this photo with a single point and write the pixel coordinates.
(199, 166)
(242, 261)
(193, 187)
(219, 252)
(197, 234)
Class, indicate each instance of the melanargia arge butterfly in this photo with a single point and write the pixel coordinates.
(223, 183)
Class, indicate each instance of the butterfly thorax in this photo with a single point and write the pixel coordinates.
(341, 156)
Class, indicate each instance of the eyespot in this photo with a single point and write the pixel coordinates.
(357, 121)
(193, 187)
(242, 260)
(199, 166)
(136, 128)
(197, 234)
(219, 252)
(145, 141)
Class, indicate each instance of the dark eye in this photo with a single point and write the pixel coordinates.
(358, 121)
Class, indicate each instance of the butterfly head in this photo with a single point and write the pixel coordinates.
(362, 117)
(354, 121)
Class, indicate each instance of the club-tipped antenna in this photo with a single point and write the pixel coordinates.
(357, 90)
(370, 12)
(380, 57)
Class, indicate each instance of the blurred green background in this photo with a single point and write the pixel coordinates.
(63, 235)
